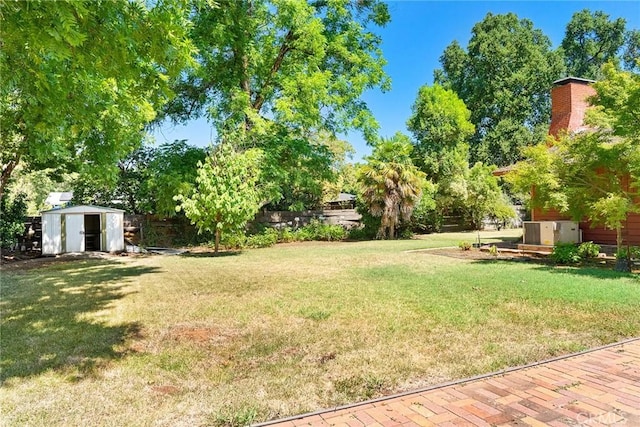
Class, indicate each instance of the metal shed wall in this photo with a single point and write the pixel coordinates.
(63, 230)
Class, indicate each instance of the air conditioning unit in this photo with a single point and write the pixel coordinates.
(549, 233)
(566, 232)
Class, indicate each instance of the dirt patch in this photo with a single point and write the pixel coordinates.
(166, 389)
(201, 335)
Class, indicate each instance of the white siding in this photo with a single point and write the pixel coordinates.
(115, 232)
(51, 234)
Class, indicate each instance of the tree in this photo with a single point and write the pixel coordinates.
(81, 80)
(589, 175)
(147, 180)
(631, 55)
(283, 72)
(591, 40)
(617, 103)
(226, 196)
(440, 126)
(172, 170)
(504, 75)
(484, 198)
(391, 185)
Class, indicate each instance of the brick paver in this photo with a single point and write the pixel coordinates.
(596, 388)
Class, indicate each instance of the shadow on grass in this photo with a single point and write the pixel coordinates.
(50, 318)
(591, 270)
(210, 254)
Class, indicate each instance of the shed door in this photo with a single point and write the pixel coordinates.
(74, 226)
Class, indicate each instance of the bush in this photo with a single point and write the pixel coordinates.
(565, 253)
(267, 238)
(359, 233)
(316, 230)
(493, 250)
(12, 216)
(465, 246)
(588, 250)
(233, 241)
(287, 235)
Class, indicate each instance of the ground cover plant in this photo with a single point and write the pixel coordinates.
(265, 333)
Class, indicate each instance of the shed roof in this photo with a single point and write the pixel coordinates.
(88, 209)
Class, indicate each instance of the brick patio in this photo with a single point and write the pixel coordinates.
(599, 387)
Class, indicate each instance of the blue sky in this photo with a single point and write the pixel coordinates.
(413, 41)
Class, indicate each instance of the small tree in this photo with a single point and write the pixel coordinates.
(588, 175)
(390, 184)
(226, 196)
(484, 198)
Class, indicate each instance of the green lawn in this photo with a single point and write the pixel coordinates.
(197, 340)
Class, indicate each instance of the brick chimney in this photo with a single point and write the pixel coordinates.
(569, 104)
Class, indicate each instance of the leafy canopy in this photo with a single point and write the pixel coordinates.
(591, 40)
(81, 79)
(617, 103)
(147, 180)
(283, 72)
(586, 176)
(503, 77)
(440, 126)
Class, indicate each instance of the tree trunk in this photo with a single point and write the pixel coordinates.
(217, 244)
(7, 170)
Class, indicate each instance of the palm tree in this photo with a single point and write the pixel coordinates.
(390, 184)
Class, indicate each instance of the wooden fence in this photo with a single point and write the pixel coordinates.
(348, 218)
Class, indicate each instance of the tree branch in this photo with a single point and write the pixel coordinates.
(277, 63)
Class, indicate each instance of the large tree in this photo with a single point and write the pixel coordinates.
(617, 103)
(81, 79)
(592, 39)
(440, 126)
(283, 72)
(390, 185)
(503, 77)
(147, 179)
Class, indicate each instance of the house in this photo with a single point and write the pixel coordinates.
(569, 103)
(59, 199)
(82, 228)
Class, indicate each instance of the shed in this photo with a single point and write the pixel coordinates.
(82, 228)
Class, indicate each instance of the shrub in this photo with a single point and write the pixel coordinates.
(565, 253)
(287, 235)
(359, 233)
(316, 230)
(267, 238)
(12, 216)
(465, 246)
(588, 250)
(233, 241)
(493, 250)
(634, 251)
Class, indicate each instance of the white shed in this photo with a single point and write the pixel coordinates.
(82, 228)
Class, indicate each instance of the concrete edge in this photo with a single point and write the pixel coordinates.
(443, 385)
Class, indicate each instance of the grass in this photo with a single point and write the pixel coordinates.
(168, 340)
